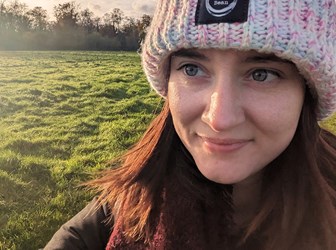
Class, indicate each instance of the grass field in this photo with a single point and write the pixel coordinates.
(63, 115)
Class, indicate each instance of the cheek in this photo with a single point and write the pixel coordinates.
(278, 115)
(182, 104)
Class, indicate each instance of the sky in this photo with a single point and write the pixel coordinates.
(132, 8)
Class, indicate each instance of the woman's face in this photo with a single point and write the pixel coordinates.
(234, 111)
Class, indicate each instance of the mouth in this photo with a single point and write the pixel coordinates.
(225, 145)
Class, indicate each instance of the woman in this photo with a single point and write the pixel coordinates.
(236, 159)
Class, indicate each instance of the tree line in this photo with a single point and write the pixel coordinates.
(22, 28)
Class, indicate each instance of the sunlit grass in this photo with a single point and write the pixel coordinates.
(63, 115)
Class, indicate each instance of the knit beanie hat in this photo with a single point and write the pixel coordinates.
(302, 31)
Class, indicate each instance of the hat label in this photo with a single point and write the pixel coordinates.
(221, 11)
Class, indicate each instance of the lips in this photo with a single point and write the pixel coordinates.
(224, 145)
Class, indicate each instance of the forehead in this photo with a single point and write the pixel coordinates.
(244, 56)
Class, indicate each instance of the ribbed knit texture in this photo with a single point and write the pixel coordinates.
(302, 31)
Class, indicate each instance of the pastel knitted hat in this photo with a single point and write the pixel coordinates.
(302, 31)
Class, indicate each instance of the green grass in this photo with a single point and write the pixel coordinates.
(63, 115)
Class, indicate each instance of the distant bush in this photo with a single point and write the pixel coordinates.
(74, 29)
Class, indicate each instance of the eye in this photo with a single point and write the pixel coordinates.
(192, 70)
(261, 75)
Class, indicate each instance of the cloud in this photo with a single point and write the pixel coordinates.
(95, 7)
(147, 7)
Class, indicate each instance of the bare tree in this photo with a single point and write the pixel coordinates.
(144, 23)
(3, 15)
(66, 15)
(38, 18)
(113, 20)
(16, 17)
(87, 20)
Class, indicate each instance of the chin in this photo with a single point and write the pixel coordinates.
(229, 180)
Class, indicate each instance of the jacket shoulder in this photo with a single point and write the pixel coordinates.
(86, 230)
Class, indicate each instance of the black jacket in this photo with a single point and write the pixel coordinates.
(86, 230)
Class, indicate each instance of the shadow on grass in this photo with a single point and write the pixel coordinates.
(38, 148)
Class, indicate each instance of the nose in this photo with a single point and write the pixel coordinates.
(224, 105)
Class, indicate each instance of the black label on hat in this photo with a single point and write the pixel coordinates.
(221, 11)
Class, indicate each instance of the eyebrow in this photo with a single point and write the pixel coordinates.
(190, 53)
(264, 58)
(258, 58)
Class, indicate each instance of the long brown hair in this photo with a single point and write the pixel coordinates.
(133, 189)
(297, 209)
